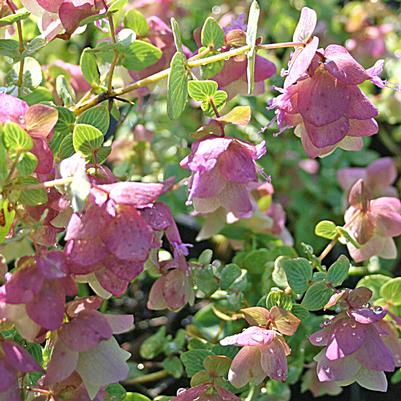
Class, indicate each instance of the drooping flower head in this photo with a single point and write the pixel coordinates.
(222, 169)
(373, 223)
(264, 349)
(109, 242)
(378, 177)
(321, 99)
(359, 345)
(85, 346)
(33, 297)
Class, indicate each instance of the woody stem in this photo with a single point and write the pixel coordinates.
(191, 63)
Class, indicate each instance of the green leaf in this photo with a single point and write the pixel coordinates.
(34, 46)
(217, 365)
(66, 147)
(316, 296)
(6, 218)
(278, 298)
(251, 34)
(89, 67)
(32, 197)
(27, 164)
(300, 312)
(173, 366)
(229, 274)
(93, 18)
(32, 75)
(391, 291)
(177, 85)
(299, 273)
(206, 281)
(212, 34)
(202, 90)
(3, 158)
(9, 48)
(153, 345)
(205, 257)
(338, 271)
(65, 91)
(326, 229)
(175, 27)
(98, 117)
(116, 5)
(136, 397)
(139, 55)
(102, 154)
(16, 139)
(239, 115)
(219, 101)
(87, 139)
(347, 237)
(115, 392)
(19, 15)
(193, 360)
(137, 22)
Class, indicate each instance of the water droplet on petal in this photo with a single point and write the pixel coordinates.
(327, 322)
(378, 310)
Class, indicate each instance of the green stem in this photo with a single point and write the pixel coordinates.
(46, 184)
(21, 48)
(116, 55)
(150, 377)
(192, 63)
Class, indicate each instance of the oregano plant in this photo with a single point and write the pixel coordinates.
(179, 221)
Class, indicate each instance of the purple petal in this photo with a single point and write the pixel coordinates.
(52, 265)
(382, 173)
(236, 199)
(85, 331)
(360, 107)
(374, 354)
(246, 367)
(112, 283)
(367, 315)
(300, 62)
(360, 128)
(47, 308)
(12, 109)
(8, 376)
(321, 337)
(327, 135)
(264, 69)
(306, 25)
(120, 323)
(338, 370)
(347, 337)
(251, 336)
(128, 236)
(19, 358)
(274, 361)
(343, 66)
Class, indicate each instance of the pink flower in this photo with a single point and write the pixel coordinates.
(311, 382)
(325, 105)
(378, 177)
(222, 169)
(205, 392)
(33, 297)
(109, 242)
(38, 120)
(373, 223)
(264, 349)
(86, 345)
(164, 9)
(62, 17)
(174, 288)
(359, 346)
(14, 362)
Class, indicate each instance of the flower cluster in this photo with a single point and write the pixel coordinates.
(373, 222)
(265, 350)
(321, 98)
(109, 242)
(359, 345)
